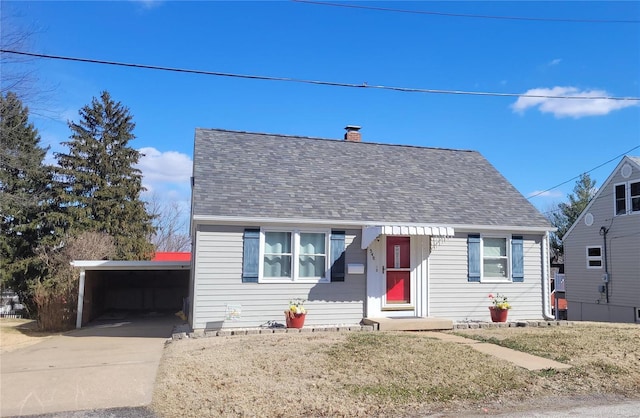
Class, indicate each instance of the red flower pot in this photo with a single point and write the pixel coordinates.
(294, 320)
(498, 315)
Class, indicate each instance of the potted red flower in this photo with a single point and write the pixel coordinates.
(500, 307)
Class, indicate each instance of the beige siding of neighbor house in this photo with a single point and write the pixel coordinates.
(585, 301)
(219, 287)
(452, 296)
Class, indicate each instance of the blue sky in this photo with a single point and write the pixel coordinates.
(535, 143)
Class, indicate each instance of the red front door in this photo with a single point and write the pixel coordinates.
(398, 270)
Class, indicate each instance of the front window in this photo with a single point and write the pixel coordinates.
(313, 254)
(294, 255)
(594, 257)
(277, 254)
(495, 259)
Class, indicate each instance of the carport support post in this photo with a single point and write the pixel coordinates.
(80, 299)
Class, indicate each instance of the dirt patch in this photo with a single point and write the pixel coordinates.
(19, 333)
(391, 374)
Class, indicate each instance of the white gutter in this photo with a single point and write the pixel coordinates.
(237, 220)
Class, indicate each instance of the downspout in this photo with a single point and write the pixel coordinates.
(546, 290)
(603, 232)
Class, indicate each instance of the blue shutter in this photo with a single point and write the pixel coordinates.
(473, 242)
(250, 256)
(337, 256)
(517, 259)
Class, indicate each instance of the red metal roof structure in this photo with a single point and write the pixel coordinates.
(172, 256)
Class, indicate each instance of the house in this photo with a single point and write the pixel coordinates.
(602, 251)
(359, 230)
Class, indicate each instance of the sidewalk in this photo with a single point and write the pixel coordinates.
(525, 360)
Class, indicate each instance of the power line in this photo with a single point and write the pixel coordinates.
(318, 82)
(466, 15)
(578, 176)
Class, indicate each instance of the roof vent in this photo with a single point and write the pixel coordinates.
(352, 134)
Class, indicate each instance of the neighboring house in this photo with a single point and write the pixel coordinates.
(602, 251)
(359, 230)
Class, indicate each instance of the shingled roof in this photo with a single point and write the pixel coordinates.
(242, 174)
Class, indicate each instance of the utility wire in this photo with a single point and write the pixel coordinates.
(578, 176)
(318, 82)
(473, 16)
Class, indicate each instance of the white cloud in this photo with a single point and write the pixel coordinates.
(170, 167)
(148, 4)
(575, 108)
(554, 62)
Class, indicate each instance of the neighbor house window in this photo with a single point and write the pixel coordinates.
(621, 199)
(594, 257)
(634, 195)
(294, 255)
(627, 198)
(495, 258)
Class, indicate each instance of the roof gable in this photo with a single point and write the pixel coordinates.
(241, 174)
(633, 161)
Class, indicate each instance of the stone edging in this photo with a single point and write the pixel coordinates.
(514, 324)
(180, 333)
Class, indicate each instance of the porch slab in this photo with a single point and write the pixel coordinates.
(411, 323)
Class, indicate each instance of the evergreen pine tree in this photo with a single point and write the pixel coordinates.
(25, 198)
(567, 213)
(101, 185)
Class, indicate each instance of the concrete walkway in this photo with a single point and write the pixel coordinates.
(107, 365)
(525, 360)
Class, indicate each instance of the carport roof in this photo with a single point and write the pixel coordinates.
(130, 265)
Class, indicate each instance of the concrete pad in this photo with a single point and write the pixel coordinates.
(409, 323)
(107, 365)
(525, 360)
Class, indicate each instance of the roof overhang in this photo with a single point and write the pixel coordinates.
(130, 265)
(370, 233)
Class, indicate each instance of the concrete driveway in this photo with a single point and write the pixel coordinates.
(105, 365)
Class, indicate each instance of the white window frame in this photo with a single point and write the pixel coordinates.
(615, 199)
(630, 197)
(295, 256)
(628, 207)
(594, 258)
(507, 279)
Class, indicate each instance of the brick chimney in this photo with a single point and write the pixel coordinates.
(352, 134)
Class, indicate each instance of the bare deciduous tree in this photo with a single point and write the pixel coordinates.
(171, 225)
(56, 292)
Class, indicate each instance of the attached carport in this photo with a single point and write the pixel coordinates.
(130, 286)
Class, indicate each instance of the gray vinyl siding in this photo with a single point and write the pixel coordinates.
(218, 283)
(452, 296)
(585, 302)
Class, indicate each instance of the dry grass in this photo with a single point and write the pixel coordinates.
(19, 333)
(389, 374)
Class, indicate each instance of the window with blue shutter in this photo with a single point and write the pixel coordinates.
(517, 259)
(250, 255)
(474, 261)
(337, 256)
